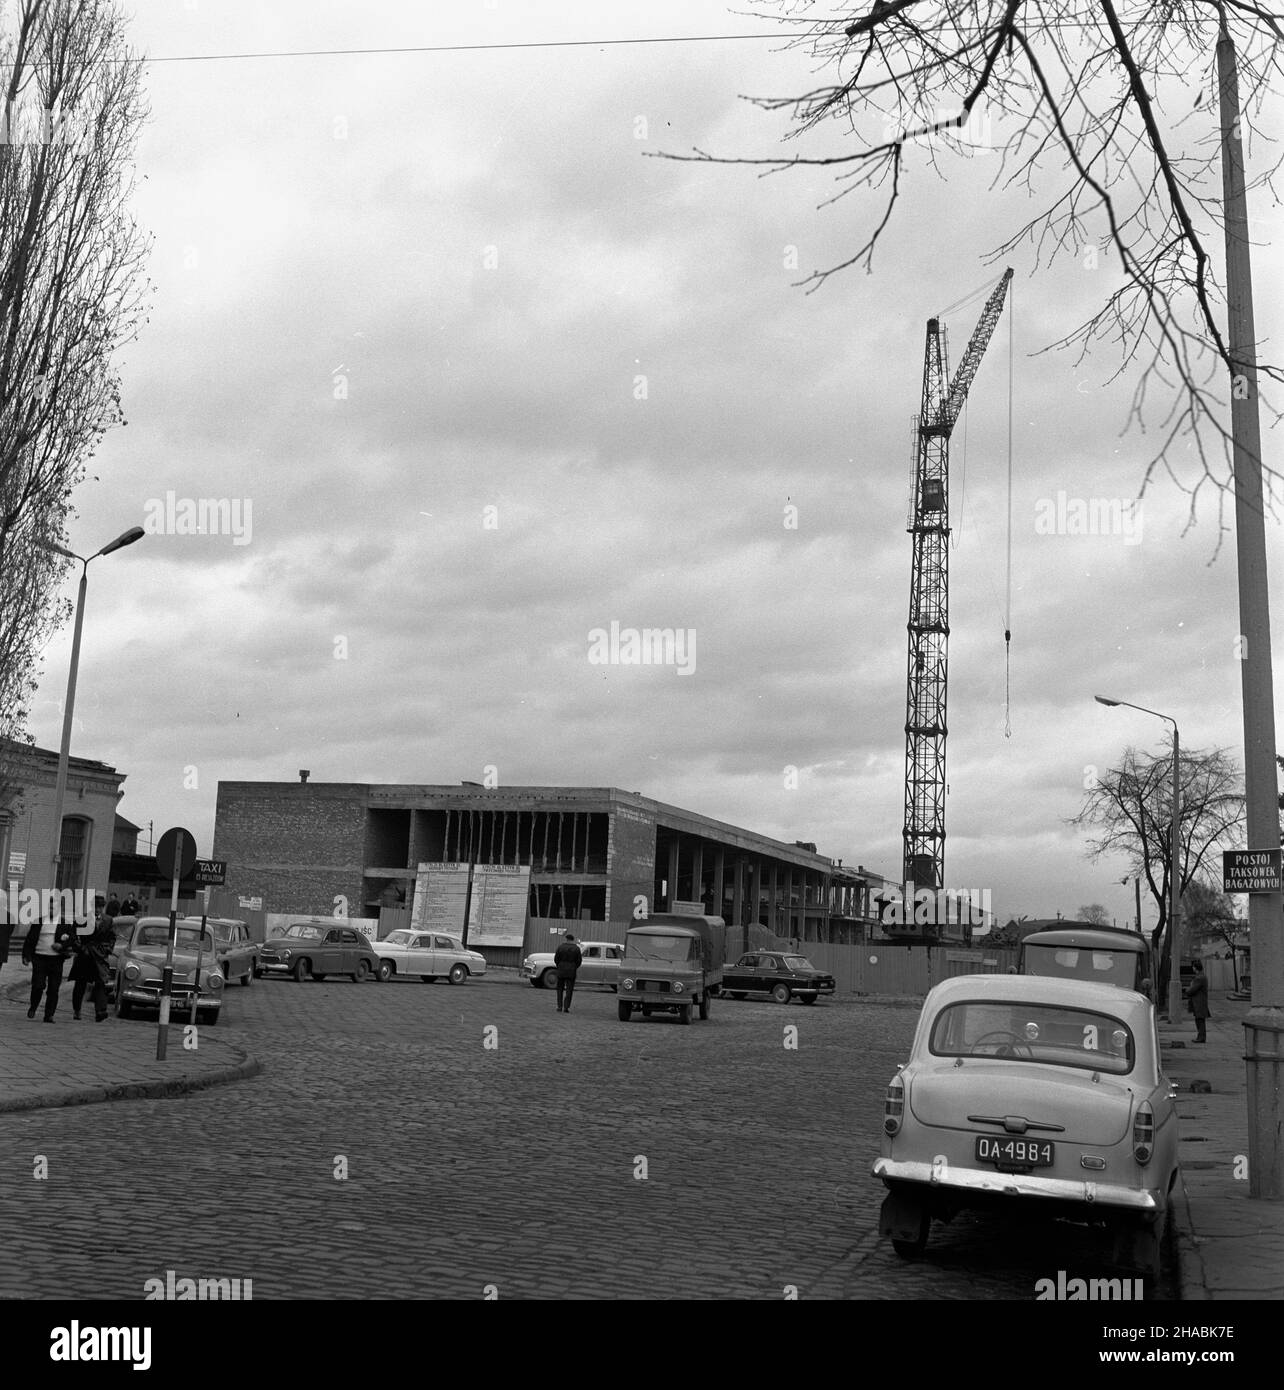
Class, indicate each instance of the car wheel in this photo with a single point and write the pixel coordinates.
(807, 998)
(458, 973)
(781, 993)
(386, 971)
(123, 1007)
(248, 978)
(704, 1004)
(549, 979)
(684, 1013)
(625, 1011)
(1139, 1246)
(736, 993)
(362, 972)
(912, 1247)
(300, 971)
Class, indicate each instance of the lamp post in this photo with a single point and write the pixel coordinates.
(1174, 872)
(135, 533)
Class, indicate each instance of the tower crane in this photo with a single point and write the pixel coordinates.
(929, 609)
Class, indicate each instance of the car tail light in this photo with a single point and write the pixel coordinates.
(1143, 1133)
(893, 1106)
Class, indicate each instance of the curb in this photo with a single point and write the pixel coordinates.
(1190, 1272)
(248, 1066)
(136, 1090)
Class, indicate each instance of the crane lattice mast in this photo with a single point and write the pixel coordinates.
(929, 610)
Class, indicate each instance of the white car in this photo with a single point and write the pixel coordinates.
(428, 954)
(1025, 1093)
(601, 965)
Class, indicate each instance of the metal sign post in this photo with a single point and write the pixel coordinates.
(175, 856)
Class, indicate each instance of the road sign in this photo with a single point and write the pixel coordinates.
(210, 871)
(1251, 871)
(176, 853)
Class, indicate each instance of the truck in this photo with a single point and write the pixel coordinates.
(672, 964)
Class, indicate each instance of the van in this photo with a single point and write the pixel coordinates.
(1081, 951)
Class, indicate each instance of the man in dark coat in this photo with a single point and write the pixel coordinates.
(567, 958)
(89, 971)
(1197, 1000)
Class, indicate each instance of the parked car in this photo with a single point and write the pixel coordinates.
(778, 973)
(430, 955)
(1024, 1093)
(601, 966)
(123, 927)
(140, 960)
(237, 952)
(1082, 951)
(316, 949)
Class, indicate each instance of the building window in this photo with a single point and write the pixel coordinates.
(73, 852)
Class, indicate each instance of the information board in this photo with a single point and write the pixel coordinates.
(441, 890)
(497, 910)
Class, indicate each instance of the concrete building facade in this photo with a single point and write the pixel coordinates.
(595, 854)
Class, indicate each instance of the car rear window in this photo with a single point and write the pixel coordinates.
(1083, 963)
(1023, 1032)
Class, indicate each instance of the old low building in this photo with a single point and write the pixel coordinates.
(28, 780)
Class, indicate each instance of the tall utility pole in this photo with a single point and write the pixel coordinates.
(1264, 1026)
(929, 610)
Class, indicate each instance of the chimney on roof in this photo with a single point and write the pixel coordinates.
(304, 774)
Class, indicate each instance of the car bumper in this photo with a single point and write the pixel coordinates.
(179, 1002)
(984, 1182)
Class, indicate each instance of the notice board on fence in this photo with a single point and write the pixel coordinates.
(497, 909)
(441, 891)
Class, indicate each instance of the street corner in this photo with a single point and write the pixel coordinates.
(80, 1062)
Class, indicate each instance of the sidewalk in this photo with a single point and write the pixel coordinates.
(73, 1063)
(1228, 1245)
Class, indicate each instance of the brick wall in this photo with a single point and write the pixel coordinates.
(299, 846)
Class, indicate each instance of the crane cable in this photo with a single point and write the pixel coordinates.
(1007, 620)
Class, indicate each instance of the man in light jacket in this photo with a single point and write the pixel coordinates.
(47, 946)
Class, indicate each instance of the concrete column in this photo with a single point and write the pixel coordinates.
(697, 871)
(773, 890)
(673, 873)
(719, 907)
(737, 892)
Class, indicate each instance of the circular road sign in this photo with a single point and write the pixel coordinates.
(176, 853)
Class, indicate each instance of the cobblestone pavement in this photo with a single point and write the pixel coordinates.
(515, 1169)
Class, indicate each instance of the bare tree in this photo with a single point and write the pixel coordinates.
(1075, 98)
(71, 292)
(1096, 914)
(1208, 914)
(1131, 807)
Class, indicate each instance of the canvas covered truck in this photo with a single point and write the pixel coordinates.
(672, 964)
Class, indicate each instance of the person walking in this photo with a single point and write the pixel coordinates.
(47, 946)
(567, 958)
(6, 927)
(1197, 1000)
(89, 971)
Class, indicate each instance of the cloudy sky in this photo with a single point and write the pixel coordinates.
(474, 377)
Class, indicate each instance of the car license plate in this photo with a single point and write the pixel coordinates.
(1015, 1153)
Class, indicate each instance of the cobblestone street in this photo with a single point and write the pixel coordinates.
(516, 1168)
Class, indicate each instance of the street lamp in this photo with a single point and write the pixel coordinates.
(135, 533)
(1174, 873)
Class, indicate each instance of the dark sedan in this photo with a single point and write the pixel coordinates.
(777, 973)
(316, 949)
